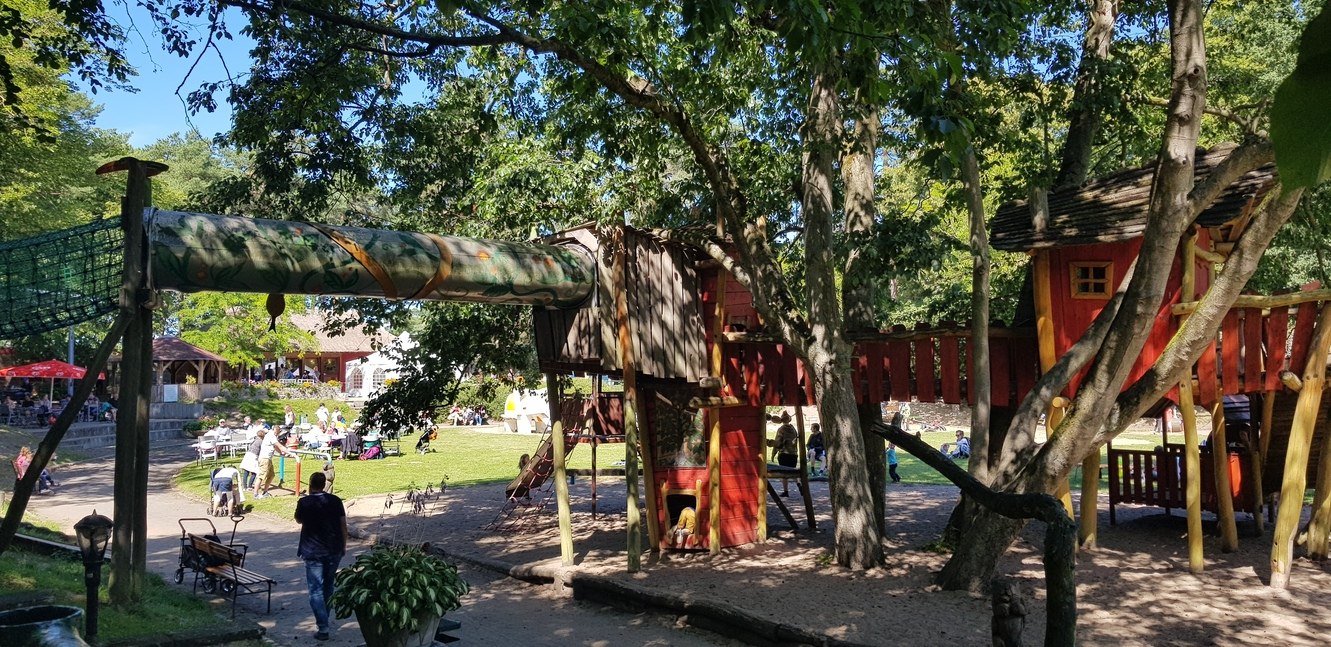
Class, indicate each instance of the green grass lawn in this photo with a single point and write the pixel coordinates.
(463, 455)
(164, 609)
(466, 456)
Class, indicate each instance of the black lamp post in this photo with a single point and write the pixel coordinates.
(93, 533)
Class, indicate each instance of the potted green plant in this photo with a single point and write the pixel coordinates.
(398, 594)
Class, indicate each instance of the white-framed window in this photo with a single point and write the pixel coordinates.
(377, 380)
(356, 380)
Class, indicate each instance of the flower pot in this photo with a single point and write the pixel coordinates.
(427, 623)
(43, 626)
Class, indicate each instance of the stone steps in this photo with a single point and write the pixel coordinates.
(99, 435)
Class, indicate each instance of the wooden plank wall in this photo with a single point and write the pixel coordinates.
(741, 464)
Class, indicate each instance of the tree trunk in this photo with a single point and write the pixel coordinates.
(858, 285)
(1171, 212)
(855, 528)
(858, 540)
(1084, 122)
(980, 391)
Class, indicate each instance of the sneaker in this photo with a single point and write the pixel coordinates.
(322, 635)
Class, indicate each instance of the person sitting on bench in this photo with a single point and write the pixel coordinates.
(959, 449)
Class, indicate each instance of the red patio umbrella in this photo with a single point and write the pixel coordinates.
(52, 369)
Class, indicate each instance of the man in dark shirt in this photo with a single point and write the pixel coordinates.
(323, 542)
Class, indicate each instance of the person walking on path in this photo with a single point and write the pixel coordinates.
(892, 462)
(323, 542)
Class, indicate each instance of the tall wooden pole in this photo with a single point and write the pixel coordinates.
(46, 449)
(1224, 493)
(128, 559)
(634, 514)
(1044, 330)
(1192, 453)
(561, 469)
(1295, 481)
(1192, 468)
(1257, 454)
(804, 469)
(1320, 527)
(714, 420)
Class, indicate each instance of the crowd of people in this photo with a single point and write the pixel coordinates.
(461, 416)
(18, 405)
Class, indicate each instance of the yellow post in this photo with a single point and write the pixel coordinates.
(1192, 453)
(714, 420)
(1224, 495)
(561, 471)
(1295, 481)
(1192, 467)
(1044, 330)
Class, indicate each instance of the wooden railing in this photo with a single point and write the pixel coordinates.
(1158, 477)
(931, 363)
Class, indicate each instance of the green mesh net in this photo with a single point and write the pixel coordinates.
(60, 278)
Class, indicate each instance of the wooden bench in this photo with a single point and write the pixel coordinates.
(226, 565)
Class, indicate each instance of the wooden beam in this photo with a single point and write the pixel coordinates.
(1224, 493)
(561, 469)
(714, 420)
(634, 514)
(727, 402)
(1263, 301)
(1295, 483)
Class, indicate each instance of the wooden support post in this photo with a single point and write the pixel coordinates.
(1295, 480)
(1224, 493)
(46, 449)
(634, 514)
(129, 559)
(561, 469)
(1319, 529)
(763, 485)
(1262, 436)
(1192, 468)
(804, 469)
(714, 422)
(1044, 330)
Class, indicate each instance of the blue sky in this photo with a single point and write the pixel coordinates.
(156, 110)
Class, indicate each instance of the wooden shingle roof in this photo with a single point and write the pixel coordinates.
(175, 349)
(1114, 208)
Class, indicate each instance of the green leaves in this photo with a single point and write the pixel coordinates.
(1299, 128)
(395, 585)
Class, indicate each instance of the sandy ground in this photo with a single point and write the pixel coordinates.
(1134, 589)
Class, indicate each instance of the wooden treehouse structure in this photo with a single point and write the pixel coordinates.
(698, 368)
(1081, 245)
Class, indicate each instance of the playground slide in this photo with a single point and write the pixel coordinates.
(194, 252)
(538, 468)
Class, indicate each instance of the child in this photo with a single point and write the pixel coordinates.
(892, 462)
(684, 528)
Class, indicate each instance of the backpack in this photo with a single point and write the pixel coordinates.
(370, 453)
